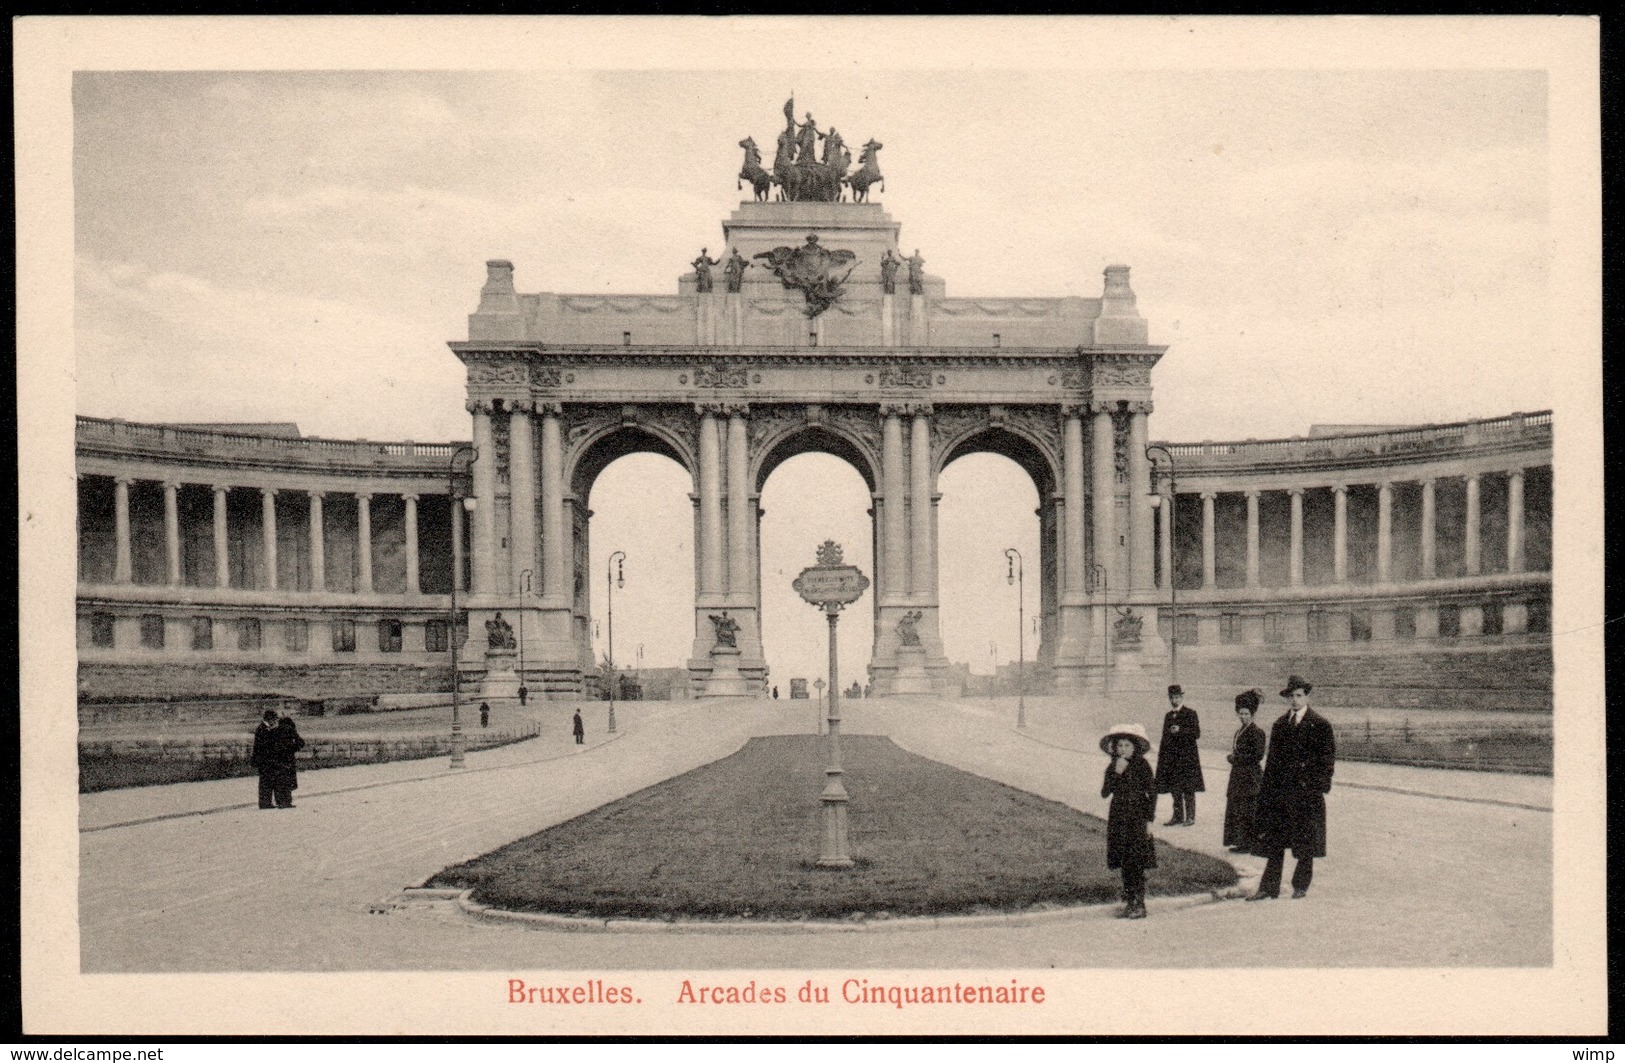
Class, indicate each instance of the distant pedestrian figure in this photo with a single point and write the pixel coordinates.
(264, 759)
(524, 692)
(285, 746)
(1292, 799)
(1246, 775)
(1133, 793)
(1179, 768)
(579, 729)
(485, 714)
(775, 693)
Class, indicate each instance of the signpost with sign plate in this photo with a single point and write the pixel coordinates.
(832, 585)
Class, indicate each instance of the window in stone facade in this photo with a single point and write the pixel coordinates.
(1405, 622)
(296, 635)
(434, 636)
(1492, 618)
(344, 636)
(1229, 627)
(1185, 628)
(389, 636)
(1540, 615)
(1274, 627)
(1360, 625)
(1449, 621)
(1318, 625)
(101, 630)
(152, 631)
(248, 633)
(202, 633)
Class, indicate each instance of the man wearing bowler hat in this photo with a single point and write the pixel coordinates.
(1179, 766)
(1292, 800)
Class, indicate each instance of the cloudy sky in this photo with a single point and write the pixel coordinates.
(1349, 245)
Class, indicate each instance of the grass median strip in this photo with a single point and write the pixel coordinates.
(738, 839)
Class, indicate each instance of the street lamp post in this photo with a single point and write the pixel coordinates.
(614, 576)
(1097, 573)
(1016, 574)
(1173, 593)
(456, 578)
(524, 595)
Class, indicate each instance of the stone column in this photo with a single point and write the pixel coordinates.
(363, 542)
(1103, 465)
(1295, 551)
(895, 512)
(485, 501)
(172, 534)
(1252, 538)
(740, 578)
(1515, 521)
(1385, 531)
(412, 581)
(1072, 503)
(222, 559)
(122, 568)
(522, 492)
(1210, 576)
(1472, 553)
(1429, 532)
(710, 545)
(922, 546)
(1340, 533)
(268, 534)
(1139, 501)
(318, 552)
(557, 584)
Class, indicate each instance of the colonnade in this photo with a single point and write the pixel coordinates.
(1429, 531)
(123, 567)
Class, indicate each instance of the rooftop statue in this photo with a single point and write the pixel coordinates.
(702, 269)
(801, 176)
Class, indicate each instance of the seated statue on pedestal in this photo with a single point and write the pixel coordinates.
(499, 633)
(727, 629)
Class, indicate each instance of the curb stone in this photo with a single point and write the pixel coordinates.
(421, 897)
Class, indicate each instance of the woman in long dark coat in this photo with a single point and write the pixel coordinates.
(1133, 792)
(1179, 766)
(1246, 775)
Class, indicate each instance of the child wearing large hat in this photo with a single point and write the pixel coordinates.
(1133, 792)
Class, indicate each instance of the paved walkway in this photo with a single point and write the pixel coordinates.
(1427, 868)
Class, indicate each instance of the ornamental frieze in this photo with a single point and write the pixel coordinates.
(485, 373)
(1114, 372)
(994, 308)
(722, 376)
(593, 304)
(905, 376)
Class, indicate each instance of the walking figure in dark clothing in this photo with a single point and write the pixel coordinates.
(1179, 767)
(579, 729)
(1133, 793)
(276, 747)
(1292, 800)
(1246, 775)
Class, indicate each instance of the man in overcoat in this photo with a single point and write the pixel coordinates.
(1179, 766)
(264, 757)
(1292, 800)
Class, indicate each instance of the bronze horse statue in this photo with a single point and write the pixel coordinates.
(760, 180)
(868, 172)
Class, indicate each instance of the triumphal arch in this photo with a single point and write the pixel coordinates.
(814, 328)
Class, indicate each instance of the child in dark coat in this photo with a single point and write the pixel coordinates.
(1133, 792)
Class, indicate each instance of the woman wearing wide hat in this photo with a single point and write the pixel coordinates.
(1133, 792)
(1246, 774)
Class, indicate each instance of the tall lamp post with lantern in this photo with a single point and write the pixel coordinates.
(1173, 593)
(468, 504)
(832, 585)
(614, 576)
(1015, 574)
